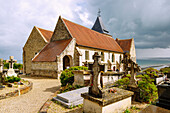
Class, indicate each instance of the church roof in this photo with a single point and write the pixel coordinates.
(125, 44)
(90, 38)
(51, 50)
(99, 26)
(46, 33)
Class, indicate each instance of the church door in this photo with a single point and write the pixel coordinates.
(66, 62)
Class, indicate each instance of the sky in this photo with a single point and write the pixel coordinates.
(147, 21)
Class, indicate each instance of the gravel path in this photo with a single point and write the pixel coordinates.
(32, 101)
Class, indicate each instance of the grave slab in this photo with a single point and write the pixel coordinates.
(71, 98)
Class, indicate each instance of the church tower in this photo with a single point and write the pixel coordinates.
(99, 26)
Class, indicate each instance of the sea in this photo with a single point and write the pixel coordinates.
(154, 62)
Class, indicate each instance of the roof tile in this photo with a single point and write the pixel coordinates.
(46, 33)
(51, 50)
(90, 38)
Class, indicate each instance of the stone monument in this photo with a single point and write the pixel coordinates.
(1, 73)
(104, 100)
(11, 71)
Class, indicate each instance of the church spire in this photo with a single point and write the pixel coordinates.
(98, 25)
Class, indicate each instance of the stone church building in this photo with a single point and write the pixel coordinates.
(48, 53)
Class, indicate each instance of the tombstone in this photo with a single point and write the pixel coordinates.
(95, 88)
(1, 73)
(164, 95)
(11, 71)
(104, 100)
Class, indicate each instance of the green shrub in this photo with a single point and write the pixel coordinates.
(122, 83)
(69, 87)
(67, 76)
(148, 90)
(165, 70)
(12, 79)
(139, 76)
(151, 70)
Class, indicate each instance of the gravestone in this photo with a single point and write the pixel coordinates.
(164, 95)
(11, 71)
(95, 88)
(104, 100)
(71, 98)
(1, 73)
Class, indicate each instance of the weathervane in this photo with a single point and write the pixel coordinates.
(99, 13)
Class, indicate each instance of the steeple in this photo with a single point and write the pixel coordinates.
(98, 25)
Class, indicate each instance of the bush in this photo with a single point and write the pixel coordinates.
(122, 83)
(69, 88)
(151, 70)
(139, 76)
(148, 90)
(165, 70)
(12, 79)
(67, 76)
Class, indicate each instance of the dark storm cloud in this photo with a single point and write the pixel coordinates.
(148, 21)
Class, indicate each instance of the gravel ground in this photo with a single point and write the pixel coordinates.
(32, 101)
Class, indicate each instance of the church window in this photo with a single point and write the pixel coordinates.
(102, 56)
(87, 55)
(113, 57)
(120, 58)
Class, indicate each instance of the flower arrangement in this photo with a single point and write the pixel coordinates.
(112, 90)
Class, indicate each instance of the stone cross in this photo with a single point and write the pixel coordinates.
(11, 62)
(95, 89)
(133, 69)
(11, 71)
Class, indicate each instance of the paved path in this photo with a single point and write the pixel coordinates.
(32, 101)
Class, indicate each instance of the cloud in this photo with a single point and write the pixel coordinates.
(147, 21)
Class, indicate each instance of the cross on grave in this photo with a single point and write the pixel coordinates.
(95, 89)
(11, 61)
(11, 71)
(131, 66)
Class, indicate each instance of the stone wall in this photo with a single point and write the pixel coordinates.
(33, 45)
(60, 31)
(47, 69)
(107, 56)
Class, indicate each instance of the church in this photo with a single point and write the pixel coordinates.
(48, 53)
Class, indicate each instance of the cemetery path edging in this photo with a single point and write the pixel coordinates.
(15, 93)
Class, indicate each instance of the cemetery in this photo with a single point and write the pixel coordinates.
(109, 92)
(95, 91)
(74, 69)
(10, 82)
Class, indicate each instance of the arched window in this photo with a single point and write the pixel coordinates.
(102, 56)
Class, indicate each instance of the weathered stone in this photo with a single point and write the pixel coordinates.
(33, 45)
(71, 98)
(110, 103)
(11, 71)
(95, 88)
